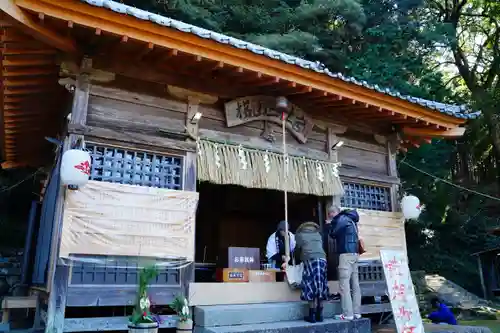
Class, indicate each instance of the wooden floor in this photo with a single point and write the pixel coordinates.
(248, 293)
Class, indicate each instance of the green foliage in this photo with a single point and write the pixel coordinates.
(181, 307)
(436, 49)
(142, 310)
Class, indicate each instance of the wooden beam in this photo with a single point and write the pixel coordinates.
(134, 138)
(35, 29)
(16, 164)
(13, 61)
(481, 277)
(115, 23)
(57, 275)
(207, 85)
(81, 94)
(435, 133)
(13, 51)
(30, 72)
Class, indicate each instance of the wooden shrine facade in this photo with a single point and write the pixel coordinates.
(150, 93)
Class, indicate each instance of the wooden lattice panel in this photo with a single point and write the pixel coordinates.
(118, 165)
(366, 197)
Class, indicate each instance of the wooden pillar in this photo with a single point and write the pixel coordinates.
(190, 172)
(331, 246)
(481, 276)
(59, 275)
(193, 100)
(26, 271)
(333, 155)
(392, 169)
(189, 185)
(193, 105)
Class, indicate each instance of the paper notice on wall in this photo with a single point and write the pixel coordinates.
(111, 219)
(401, 292)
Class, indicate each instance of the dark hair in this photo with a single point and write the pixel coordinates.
(435, 301)
(282, 225)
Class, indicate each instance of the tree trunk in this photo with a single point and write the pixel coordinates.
(493, 124)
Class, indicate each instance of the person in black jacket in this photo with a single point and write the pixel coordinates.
(343, 227)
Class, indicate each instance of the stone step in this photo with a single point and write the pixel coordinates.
(296, 326)
(246, 314)
(242, 314)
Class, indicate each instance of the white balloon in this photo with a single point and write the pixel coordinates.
(75, 167)
(411, 207)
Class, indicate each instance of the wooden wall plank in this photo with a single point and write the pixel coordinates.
(138, 112)
(129, 115)
(381, 230)
(363, 159)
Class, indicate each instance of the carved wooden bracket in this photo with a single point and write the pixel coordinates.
(192, 110)
(380, 139)
(332, 140)
(337, 129)
(193, 99)
(394, 142)
(268, 133)
(71, 69)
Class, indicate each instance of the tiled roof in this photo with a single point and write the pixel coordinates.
(458, 111)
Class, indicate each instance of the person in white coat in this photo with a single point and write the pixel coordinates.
(275, 249)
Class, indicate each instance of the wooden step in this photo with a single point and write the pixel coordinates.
(21, 302)
(14, 302)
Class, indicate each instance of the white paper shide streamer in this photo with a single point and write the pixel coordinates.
(267, 163)
(305, 167)
(335, 169)
(242, 157)
(217, 157)
(321, 175)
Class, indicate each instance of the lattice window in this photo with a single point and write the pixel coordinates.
(120, 270)
(117, 165)
(366, 197)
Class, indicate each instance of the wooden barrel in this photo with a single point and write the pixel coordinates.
(143, 328)
(185, 326)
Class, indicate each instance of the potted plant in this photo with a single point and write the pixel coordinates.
(181, 307)
(142, 319)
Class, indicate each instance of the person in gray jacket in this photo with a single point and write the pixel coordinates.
(344, 228)
(314, 287)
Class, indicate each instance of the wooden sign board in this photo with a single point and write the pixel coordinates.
(261, 276)
(112, 219)
(243, 257)
(232, 275)
(263, 108)
(401, 292)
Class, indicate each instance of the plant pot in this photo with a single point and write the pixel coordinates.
(185, 326)
(143, 328)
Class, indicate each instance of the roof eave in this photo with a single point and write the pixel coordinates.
(124, 25)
